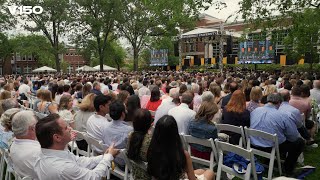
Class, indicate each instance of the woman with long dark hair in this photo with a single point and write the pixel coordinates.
(139, 141)
(167, 160)
(155, 100)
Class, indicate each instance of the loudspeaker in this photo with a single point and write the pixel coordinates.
(176, 48)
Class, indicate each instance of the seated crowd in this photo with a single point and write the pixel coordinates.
(145, 113)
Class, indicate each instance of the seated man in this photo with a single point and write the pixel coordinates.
(98, 122)
(55, 162)
(273, 121)
(24, 149)
(117, 130)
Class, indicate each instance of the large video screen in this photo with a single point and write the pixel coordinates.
(256, 52)
(159, 57)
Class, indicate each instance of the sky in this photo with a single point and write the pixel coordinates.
(231, 9)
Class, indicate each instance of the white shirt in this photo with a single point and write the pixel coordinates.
(315, 94)
(23, 88)
(144, 91)
(62, 164)
(104, 88)
(95, 127)
(114, 86)
(183, 116)
(163, 109)
(24, 153)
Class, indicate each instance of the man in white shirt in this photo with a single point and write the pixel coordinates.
(167, 104)
(197, 98)
(315, 92)
(24, 149)
(144, 90)
(98, 122)
(183, 114)
(24, 88)
(55, 162)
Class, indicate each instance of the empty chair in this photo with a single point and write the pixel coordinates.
(270, 155)
(224, 147)
(204, 142)
(234, 129)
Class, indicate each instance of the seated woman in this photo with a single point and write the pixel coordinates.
(255, 97)
(167, 160)
(6, 135)
(46, 105)
(65, 109)
(86, 109)
(155, 100)
(139, 141)
(203, 128)
(235, 113)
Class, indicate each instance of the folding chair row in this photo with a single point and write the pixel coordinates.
(94, 143)
(244, 142)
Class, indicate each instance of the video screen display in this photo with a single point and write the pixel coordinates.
(256, 52)
(159, 57)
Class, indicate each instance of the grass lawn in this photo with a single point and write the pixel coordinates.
(312, 158)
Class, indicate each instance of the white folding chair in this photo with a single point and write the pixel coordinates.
(234, 129)
(184, 145)
(204, 142)
(275, 153)
(303, 117)
(224, 147)
(142, 165)
(2, 163)
(73, 144)
(92, 142)
(117, 171)
(9, 169)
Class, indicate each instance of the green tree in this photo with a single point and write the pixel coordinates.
(303, 36)
(5, 49)
(114, 53)
(6, 19)
(35, 45)
(53, 22)
(141, 19)
(94, 19)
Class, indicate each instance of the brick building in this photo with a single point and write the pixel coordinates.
(24, 64)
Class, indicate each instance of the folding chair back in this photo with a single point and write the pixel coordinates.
(234, 129)
(224, 147)
(275, 153)
(73, 145)
(92, 142)
(142, 165)
(117, 171)
(204, 142)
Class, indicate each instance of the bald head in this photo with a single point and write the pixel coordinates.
(285, 94)
(316, 84)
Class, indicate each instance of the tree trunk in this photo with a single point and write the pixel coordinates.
(135, 59)
(56, 56)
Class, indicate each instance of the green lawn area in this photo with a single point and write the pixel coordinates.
(312, 158)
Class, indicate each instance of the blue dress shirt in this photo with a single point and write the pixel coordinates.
(273, 121)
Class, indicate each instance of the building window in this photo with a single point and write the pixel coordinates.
(27, 69)
(67, 54)
(18, 70)
(70, 69)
